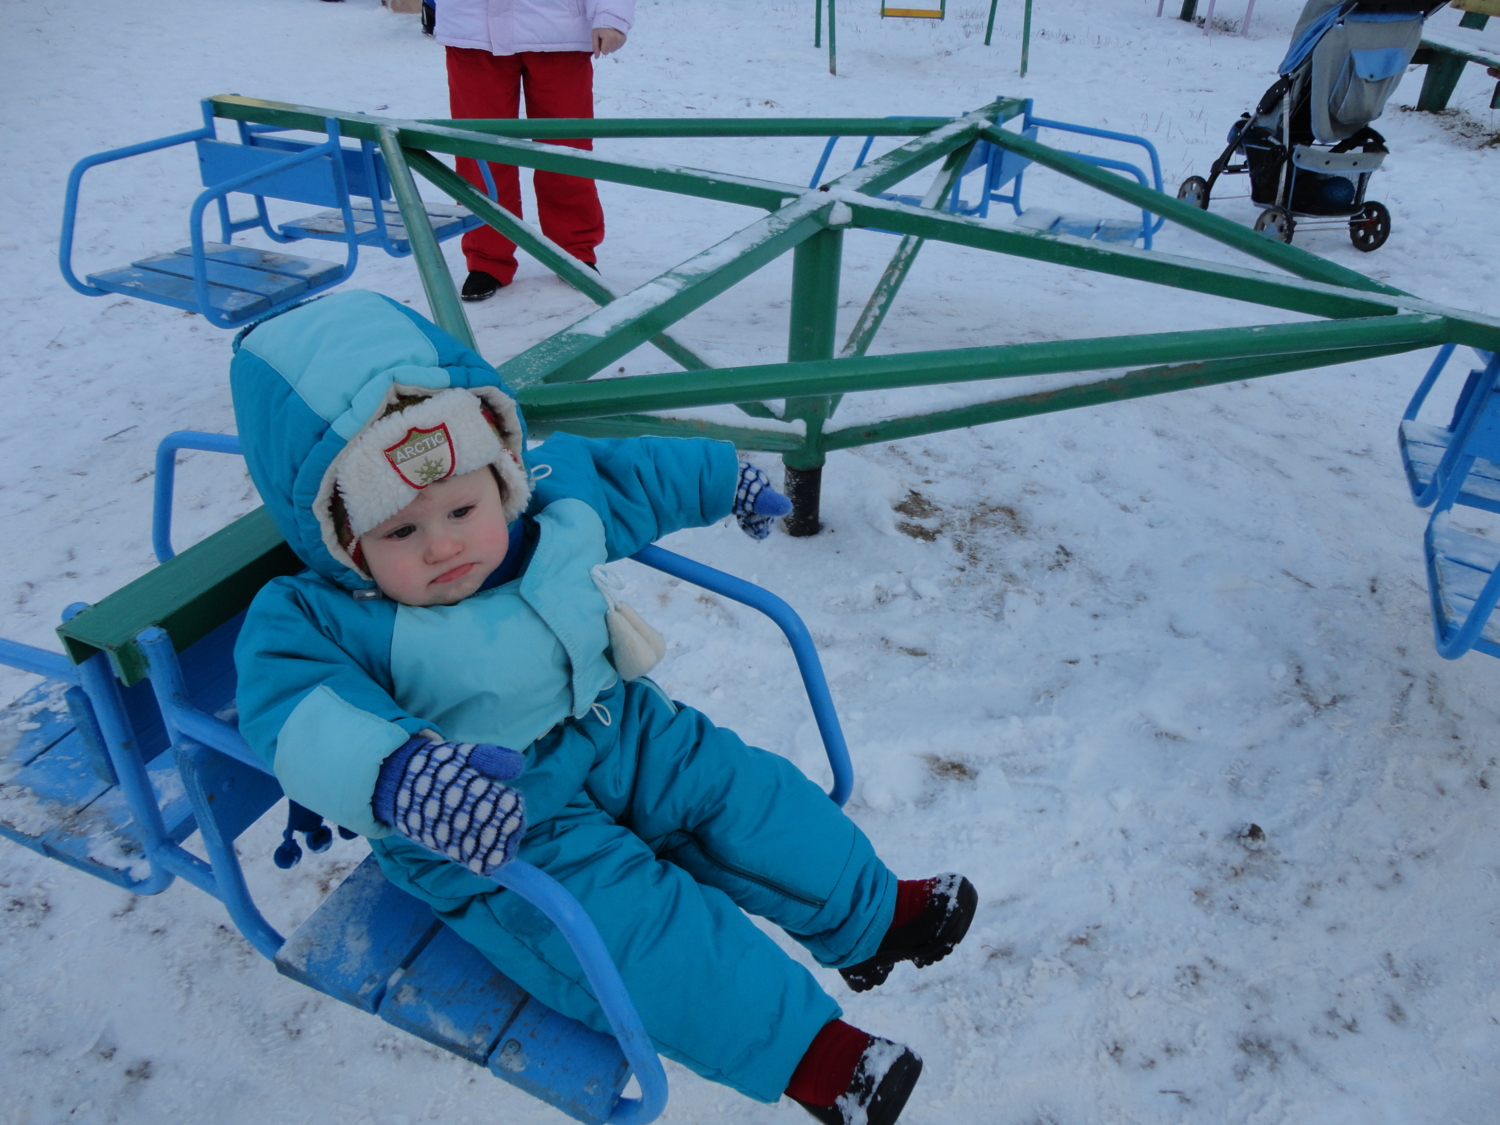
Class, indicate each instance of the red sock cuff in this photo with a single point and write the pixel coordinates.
(828, 1066)
(912, 896)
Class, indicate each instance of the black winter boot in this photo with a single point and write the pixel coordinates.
(924, 939)
(480, 286)
(883, 1079)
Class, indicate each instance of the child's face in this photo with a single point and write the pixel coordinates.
(441, 547)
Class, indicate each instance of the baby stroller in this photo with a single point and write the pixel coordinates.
(1308, 147)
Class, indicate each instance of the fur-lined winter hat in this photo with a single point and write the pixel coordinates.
(349, 405)
(419, 438)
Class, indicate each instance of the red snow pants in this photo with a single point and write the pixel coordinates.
(556, 84)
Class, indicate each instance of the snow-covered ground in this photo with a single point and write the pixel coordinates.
(1078, 657)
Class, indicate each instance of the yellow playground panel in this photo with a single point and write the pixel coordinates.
(927, 13)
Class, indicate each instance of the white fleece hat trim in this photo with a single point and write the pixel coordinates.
(387, 464)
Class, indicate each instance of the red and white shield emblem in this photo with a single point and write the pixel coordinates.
(423, 457)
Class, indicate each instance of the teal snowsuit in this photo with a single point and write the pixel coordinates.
(665, 827)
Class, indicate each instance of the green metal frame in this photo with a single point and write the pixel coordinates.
(790, 407)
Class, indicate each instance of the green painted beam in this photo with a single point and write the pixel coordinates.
(636, 425)
(1133, 384)
(866, 373)
(812, 335)
(744, 190)
(539, 246)
(1290, 258)
(189, 596)
(591, 344)
(1241, 284)
(442, 297)
(565, 128)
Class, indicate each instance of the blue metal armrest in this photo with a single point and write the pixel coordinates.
(245, 182)
(747, 593)
(75, 181)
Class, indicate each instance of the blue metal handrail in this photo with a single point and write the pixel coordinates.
(563, 910)
(166, 476)
(75, 180)
(796, 632)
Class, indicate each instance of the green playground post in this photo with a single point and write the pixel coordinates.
(833, 49)
(1189, 10)
(1026, 39)
(432, 267)
(817, 23)
(989, 28)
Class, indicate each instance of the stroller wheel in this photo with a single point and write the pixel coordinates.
(1277, 223)
(1370, 227)
(1194, 190)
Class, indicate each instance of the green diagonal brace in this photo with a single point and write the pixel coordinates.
(748, 191)
(894, 275)
(597, 340)
(432, 267)
(549, 253)
(1240, 284)
(678, 390)
(1133, 384)
(1289, 258)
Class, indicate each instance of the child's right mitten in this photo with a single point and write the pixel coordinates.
(756, 503)
(449, 797)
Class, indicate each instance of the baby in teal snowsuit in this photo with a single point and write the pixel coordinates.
(449, 680)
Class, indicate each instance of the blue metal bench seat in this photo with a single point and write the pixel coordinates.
(1423, 449)
(447, 219)
(1430, 453)
(231, 285)
(418, 975)
(243, 282)
(1463, 568)
(1004, 171)
(1463, 582)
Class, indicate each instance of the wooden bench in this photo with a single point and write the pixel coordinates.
(1445, 56)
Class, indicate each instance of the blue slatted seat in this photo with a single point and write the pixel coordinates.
(1463, 566)
(1429, 452)
(58, 796)
(1001, 183)
(232, 285)
(447, 219)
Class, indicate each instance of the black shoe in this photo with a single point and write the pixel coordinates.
(429, 18)
(480, 286)
(884, 1078)
(926, 939)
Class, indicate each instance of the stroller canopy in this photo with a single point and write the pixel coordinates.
(1352, 54)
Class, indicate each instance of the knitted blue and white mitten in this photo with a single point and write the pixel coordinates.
(756, 503)
(448, 796)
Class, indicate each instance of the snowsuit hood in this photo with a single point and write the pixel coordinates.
(307, 382)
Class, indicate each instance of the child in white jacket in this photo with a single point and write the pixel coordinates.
(498, 50)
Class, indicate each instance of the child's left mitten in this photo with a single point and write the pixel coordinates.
(450, 797)
(756, 503)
